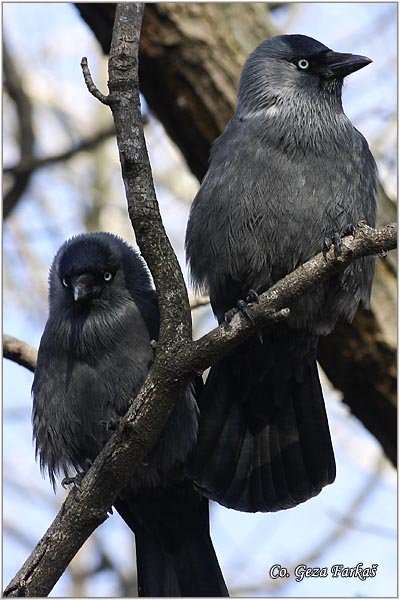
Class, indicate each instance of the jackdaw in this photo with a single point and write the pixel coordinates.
(93, 357)
(288, 175)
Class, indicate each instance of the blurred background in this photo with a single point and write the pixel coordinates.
(62, 177)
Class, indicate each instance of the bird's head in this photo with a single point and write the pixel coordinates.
(94, 270)
(287, 66)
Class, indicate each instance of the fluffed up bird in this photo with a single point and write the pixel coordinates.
(93, 357)
(289, 175)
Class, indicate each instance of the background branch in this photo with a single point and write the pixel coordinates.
(23, 106)
(19, 352)
(29, 164)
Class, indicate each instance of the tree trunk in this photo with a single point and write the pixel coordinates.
(190, 62)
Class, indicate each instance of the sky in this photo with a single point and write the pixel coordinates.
(48, 40)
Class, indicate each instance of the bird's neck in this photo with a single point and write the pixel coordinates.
(83, 332)
(296, 123)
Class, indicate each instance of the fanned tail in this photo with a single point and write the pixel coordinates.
(264, 442)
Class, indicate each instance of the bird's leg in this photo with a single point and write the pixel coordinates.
(76, 480)
(241, 307)
(336, 240)
(110, 424)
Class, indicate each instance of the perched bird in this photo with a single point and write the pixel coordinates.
(93, 357)
(289, 175)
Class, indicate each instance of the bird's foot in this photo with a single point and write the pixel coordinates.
(242, 308)
(110, 424)
(75, 482)
(253, 297)
(336, 240)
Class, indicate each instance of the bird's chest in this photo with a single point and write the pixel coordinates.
(291, 205)
(282, 213)
(90, 389)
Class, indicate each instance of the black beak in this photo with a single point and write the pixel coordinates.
(338, 64)
(84, 287)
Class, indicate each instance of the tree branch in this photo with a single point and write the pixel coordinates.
(30, 164)
(23, 105)
(274, 305)
(19, 352)
(177, 357)
(136, 173)
(366, 241)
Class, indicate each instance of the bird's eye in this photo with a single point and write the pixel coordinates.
(303, 64)
(65, 282)
(107, 276)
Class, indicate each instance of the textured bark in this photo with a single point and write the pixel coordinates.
(190, 61)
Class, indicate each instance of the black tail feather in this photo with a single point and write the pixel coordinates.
(263, 446)
(174, 552)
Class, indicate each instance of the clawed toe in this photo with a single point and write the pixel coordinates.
(110, 424)
(75, 482)
(242, 309)
(253, 297)
(336, 241)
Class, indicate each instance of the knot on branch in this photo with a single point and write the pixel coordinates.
(362, 229)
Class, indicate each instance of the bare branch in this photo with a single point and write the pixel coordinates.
(273, 304)
(30, 164)
(367, 241)
(19, 352)
(136, 173)
(92, 88)
(23, 105)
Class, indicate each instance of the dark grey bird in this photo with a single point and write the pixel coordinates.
(93, 357)
(289, 175)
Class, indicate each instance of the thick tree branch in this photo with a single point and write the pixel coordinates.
(367, 241)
